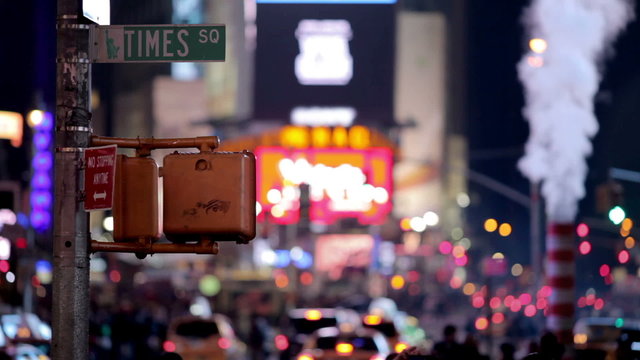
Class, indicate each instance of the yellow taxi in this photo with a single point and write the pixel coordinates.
(607, 338)
(345, 342)
(204, 338)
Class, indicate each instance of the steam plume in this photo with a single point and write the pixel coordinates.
(560, 84)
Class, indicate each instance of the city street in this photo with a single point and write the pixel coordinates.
(319, 179)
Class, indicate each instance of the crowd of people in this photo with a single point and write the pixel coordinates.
(450, 349)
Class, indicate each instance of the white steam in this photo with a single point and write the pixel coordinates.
(560, 83)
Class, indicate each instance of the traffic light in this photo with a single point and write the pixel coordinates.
(209, 194)
(207, 197)
(135, 206)
(609, 195)
(617, 215)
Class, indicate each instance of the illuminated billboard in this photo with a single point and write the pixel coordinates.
(11, 127)
(336, 251)
(325, 59)
(342, 183)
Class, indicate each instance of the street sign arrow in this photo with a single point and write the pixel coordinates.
(102, 195)
(99, 177)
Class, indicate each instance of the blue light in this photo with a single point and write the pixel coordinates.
(40, 220)
(23, 219)
(42, 140)
(305, 262)
(43, 266)
(42, 161)
(41, 199)
(282, 259)
(326, 1)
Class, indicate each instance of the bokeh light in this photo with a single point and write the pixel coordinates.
(490, 225)
(516, 270)
(629, 242)
(445, 247)
(538, 45)
(623, 256)
(397, 282)
(469, 289)
(482, 323)
(209, 285)
(497, 318)
(505, 229)
(585, 247)
(530, 311)
(582, 230)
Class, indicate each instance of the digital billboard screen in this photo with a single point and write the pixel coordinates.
(323, 59)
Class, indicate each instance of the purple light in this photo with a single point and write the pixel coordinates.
(41, 180)
(41, 199)
(47, 122)
(40, 220)
(42, 161)
(42, 140)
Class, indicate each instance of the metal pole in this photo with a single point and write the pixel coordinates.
(70, 312)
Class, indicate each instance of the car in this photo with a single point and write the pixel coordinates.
(345, 342)
(27, 352)
(388, 328)
(302, 322)
(607, 338)
(25, 329)
(204, 338)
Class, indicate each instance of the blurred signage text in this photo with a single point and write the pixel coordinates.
(337, 251)
(11, 127)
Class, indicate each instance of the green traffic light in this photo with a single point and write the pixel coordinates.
(617, 215)
(619, 322)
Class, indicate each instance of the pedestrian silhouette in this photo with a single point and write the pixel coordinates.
(507, 351)
(448, 348)
(170, 356)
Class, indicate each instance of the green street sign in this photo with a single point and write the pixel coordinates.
(157, 43)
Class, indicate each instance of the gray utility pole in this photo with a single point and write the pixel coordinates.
(71, 243)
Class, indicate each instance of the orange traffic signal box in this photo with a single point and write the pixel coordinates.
(209, 195)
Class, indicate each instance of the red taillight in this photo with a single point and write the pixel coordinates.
(169, 346)
(282, 343)
(224, 343)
